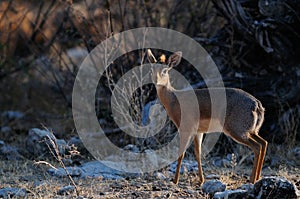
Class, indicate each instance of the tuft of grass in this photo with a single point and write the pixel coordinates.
(54, 150)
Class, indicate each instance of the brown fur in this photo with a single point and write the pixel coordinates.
(243, 117)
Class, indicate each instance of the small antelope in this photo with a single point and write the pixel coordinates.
(243, 117)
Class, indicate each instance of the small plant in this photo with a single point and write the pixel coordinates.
(54, 150)
(233, 161)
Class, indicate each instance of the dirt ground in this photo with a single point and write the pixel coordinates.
(39, 184)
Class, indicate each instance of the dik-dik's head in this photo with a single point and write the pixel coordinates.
(161, 67)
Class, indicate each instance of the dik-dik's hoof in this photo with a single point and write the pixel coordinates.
(254, 180)
(201, 181)
(201, 178)
(175, 181)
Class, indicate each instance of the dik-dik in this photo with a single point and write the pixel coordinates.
(242, 120)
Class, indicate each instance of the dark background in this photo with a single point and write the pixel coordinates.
(255, 44)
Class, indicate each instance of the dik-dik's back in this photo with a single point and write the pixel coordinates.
(243, 112)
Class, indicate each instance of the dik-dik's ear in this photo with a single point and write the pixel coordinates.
(175, 59)
(150, 57)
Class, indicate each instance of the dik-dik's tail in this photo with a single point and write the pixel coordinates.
(260, 110)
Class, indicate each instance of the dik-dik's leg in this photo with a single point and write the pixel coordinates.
(259, 147)
(184, 142)
(177, 174)
(197, 143)
(256, 148)
(262, 154)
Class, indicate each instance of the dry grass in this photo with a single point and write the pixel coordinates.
(40, 184)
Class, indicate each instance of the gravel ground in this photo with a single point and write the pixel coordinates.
(39, 184)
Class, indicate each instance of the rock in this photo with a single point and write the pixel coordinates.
(187, 166)
(276, 161)
(190, 191)
(228, 162)
(1, 143)
(5, 129)
(296, 152)
(39, 183)
(60, 172)
(217, 161)
(212, 177)
(160, 176)
(275, 188)
(232, 194)
(97, 168)
(92, 169)
(107, 176)
(212, 186)
(66, 190)
(269, 187)
(13, 193)
(5, 132)
(132, 148)
(146, 111)
(38, 142)
(13, 115)
(191, 166)
(9, 152)
(248, 187)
